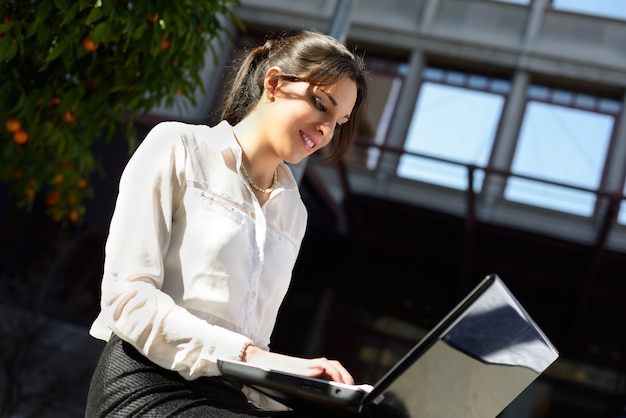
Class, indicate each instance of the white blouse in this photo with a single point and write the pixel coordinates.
(195, 267)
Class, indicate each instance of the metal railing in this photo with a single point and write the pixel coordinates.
(607, 202)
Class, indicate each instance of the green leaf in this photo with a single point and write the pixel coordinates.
(107, 7)
(57, 49)
(71, 99)
(20, 103)
(4, 27)
(70, 14)
(94, 15)
(138, 33)
(60, 141)
(102, 32)
(43, 10)
(69, 57)
(8, 49)
(61, 4)
(32, 28)
(83, 4)
(43, 38)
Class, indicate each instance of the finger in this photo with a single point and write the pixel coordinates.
(322, 368)
(345, 376)
(312, 371)
(336, 372)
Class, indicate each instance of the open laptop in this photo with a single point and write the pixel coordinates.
(477, 360)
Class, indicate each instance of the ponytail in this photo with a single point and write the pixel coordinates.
(246, 87)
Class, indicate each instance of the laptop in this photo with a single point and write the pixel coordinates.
(474, 362)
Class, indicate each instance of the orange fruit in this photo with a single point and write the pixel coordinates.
(82, 183)
(73, 216)
(13, 125)
(20, 136)
(58, 179)
(53, 198)
(154, 18)
(68, 116)
(165, 43)
(89, 45)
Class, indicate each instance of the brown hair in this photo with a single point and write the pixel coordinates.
(306, 56)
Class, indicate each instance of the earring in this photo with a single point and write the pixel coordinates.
(271, 97)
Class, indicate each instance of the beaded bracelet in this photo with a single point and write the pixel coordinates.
(242, 353)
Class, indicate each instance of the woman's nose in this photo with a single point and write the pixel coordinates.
(326, 131)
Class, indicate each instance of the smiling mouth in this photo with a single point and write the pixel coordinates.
(308, 141)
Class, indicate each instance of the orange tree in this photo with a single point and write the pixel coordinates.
(72, 72)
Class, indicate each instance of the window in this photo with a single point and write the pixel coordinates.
(606, 8)
(386, 80)
(454, 123)
(563, 139)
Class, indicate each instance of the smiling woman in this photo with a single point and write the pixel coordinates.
(309, 119)
(300, 58)
(205, 234)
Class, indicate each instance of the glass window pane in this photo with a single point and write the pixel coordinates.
(585, 101)
(514, 1)
(610, 106)
(454, 77)
(607, 8)
(562, 97)
(454, 124)
(550, 196)
(563, 145)
(478, 82)
(538, 92)
(455, 176)
(621, 214)
(433, 74)
(501, 86)
(386, 79)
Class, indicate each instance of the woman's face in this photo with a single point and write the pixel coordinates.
(304, 117)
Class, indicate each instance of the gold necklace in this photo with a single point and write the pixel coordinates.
(255, 186)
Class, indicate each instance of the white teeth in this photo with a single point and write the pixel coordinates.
(308, 141)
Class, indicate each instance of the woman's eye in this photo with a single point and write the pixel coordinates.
(319, 104)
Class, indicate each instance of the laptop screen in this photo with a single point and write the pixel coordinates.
(477, 360)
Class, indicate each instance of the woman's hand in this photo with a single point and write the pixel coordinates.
(316, 367)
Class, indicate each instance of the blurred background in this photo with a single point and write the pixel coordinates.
(494, 142)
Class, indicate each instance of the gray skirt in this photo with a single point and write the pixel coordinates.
(127, 384)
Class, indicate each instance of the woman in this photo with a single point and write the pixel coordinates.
(206, 231)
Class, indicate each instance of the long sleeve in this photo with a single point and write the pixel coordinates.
(133, 306)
